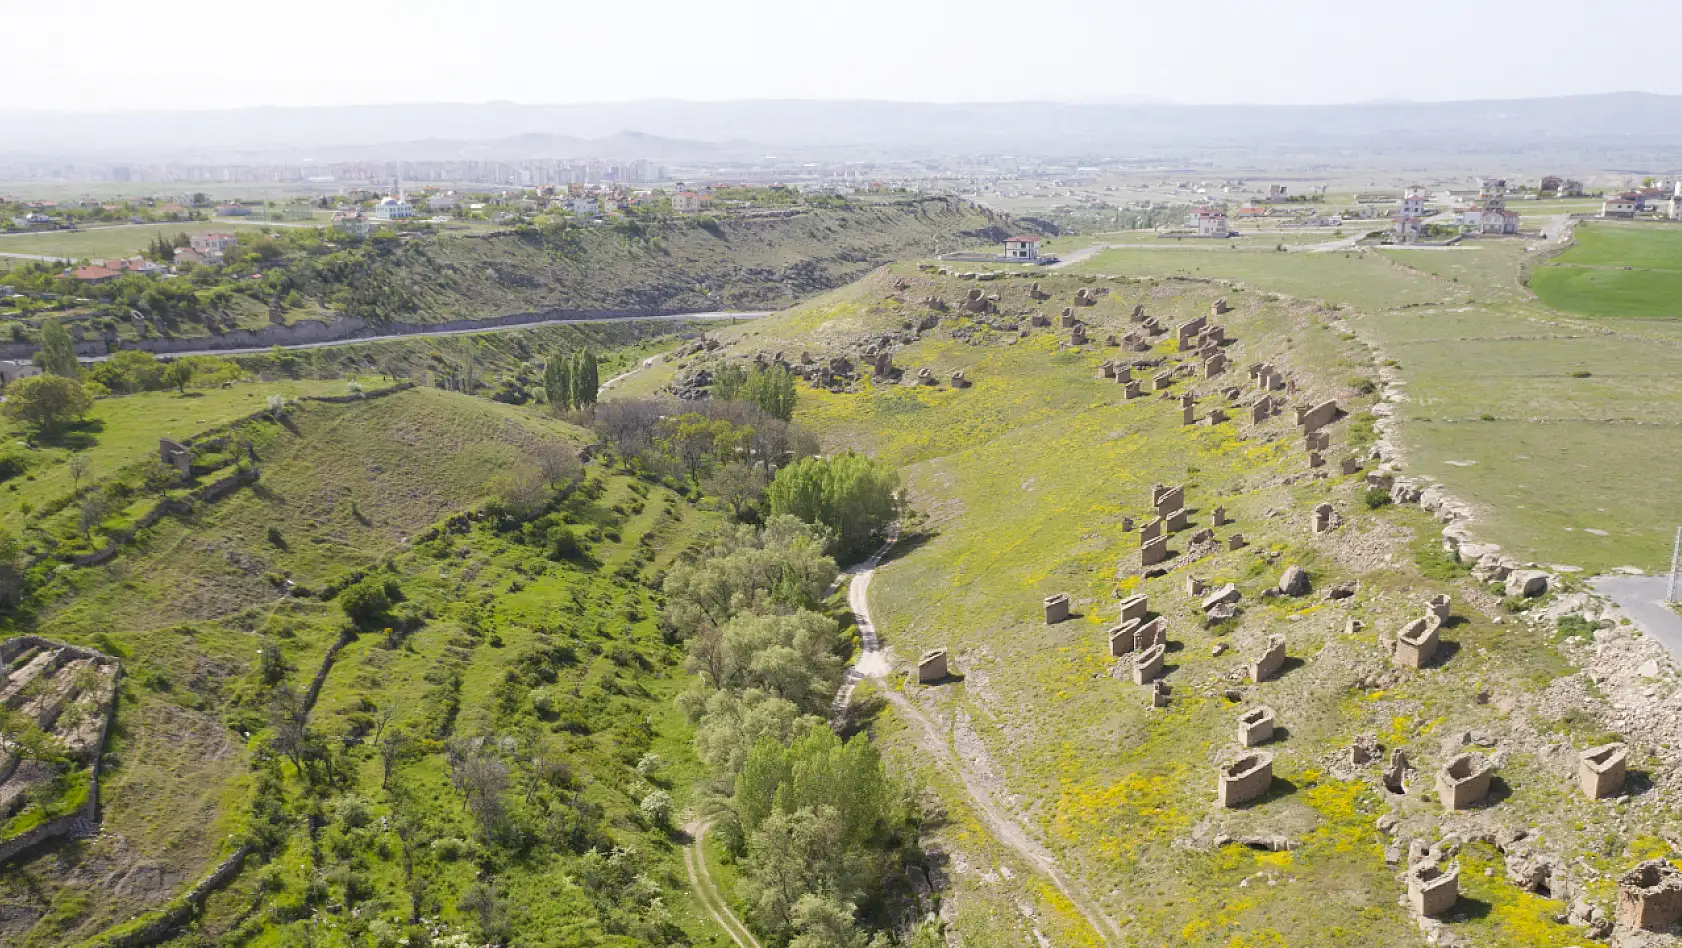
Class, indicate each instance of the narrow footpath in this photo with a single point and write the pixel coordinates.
(707, 891)
(873, 663)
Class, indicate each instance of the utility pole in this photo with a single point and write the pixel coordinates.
(1675, 566)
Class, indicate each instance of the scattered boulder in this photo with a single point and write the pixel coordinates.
(1527, 582)
(1294, 582)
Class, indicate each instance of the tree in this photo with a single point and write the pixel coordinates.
(177, 374)
(368, 603)
(58, 350)
(558, 463)
(852, 495)
(78, 469)
(11, 573)
(585, 384)
(738, 485)
(557, 382)
(45, 402)
(772, 389)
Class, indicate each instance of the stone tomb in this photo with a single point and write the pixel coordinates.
(176, 455)
(1433, 889)
(1235, 542)
(1175, 520)
(932, 667)
(1464, 781)
(1122, 638)
(1219, 518)
(1147, 665)
(1161, 382)
(1256, 726)
(1601, 770)
(1650, 896)
(1135, 607)
(1323, 518)
(1417, 643)
(1321, 415)
(1150, 531)
(1165, 499)
(1272, 658)
(1154, 552)
(1438, 606)
(1056, 608)
(1245, 779)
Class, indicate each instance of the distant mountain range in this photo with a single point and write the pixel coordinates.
(1613, 125)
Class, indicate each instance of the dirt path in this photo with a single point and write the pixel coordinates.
(701, 880)
(873, 663)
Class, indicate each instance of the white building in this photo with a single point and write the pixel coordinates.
(1676, 203)
(1410, 219)
(1618, 206)
(394, 209)
(1490, 214)
(686, 202)
(1023, 247)
(213, 244)
(447, 201)
(582, 206)
(1211, 223)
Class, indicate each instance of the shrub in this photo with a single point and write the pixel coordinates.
(1575, 627)
(1375, 497)
(1581, 374)
(367, 604)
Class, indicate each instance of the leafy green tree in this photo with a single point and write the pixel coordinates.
(130, 371)
(368, 603)
(58, 350)
(557, 382)
(793, 854)
(772, 389)
(44, 402)
(852, 495)
(177, 374)
(729, 381)
(825, 923)
(793, 656)
(730, 723)
(585, 383)
(780, 568)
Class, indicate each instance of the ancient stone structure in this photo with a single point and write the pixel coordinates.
(1067, 319)
(1316, 459)
(1154, 552)
(883, 366)
(1154, 632)
(1132, 390)
(1219, 517)
(1432, 889)
(1438, 606)
(1147, 665)
(1255, 726)
(925, 377)
(958, 380)
(1135, 607)
(1318, 417)
(1077, 335)
(1139, 313)
(1221, 308)
(1056, 608)
(1601, 770)
(1464, 781)
(1216, 416)
(1159, 693)
(1194, 586)
(1175, 520)
(1150, 531)
(1650, 896)
(1165, 499)
(1188, 330)
(1324, 514)
(1317, 441)
(1272, 658)
(932, 666)
(1417, 643)
(1245, 779)
(1122, 638)
(1107, 369)
(1188, 415)
(176, 455)
(1123, 373)
(1161, 382)
(1235, 542)
(1261, 410)
(1349, 466)
(1034, 292)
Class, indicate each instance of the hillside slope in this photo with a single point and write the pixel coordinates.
(1035, 479)
(218, 648)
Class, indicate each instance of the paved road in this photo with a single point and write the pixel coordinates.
(1643, 597)
(1083, 253)
(358, 340)
(35, 256)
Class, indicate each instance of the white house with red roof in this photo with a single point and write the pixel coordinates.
(686, 202)
(1211, 222)
(1023, 247)
(213, 244)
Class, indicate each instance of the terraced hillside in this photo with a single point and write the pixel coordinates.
(1037, 478)
(329, 673)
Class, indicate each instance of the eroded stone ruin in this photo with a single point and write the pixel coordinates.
(1464, 781)
(1245, 779)
(932, 666)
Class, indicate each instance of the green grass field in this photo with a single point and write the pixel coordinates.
(98, 243)
(1615, 270)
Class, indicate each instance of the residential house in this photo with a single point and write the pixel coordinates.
(139, 265)
(1570, 188)
(582, 206)
(1618, 207)
(1278, 192)
(686, 202)
(1211, 222)
(1410, 219)
(213, 245)
(448, 201)
(1550, 184)
(34, 219)
(1490, 214)
(189, 255)
(93, 274)
(1024, 248)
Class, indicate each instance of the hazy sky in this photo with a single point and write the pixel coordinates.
(104, 55)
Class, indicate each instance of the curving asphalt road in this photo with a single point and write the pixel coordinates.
(1643, 597)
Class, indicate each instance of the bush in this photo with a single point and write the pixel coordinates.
(1581, 374)
(1375, 497)
(448, 849)
(368, 603)
(1575, 627)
